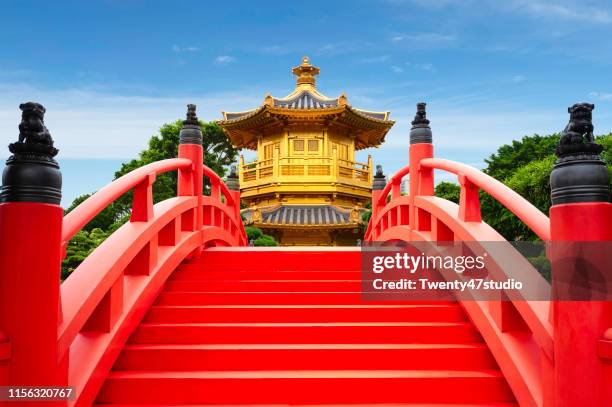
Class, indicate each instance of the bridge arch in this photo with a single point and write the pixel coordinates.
(520, 332)
(55, 335)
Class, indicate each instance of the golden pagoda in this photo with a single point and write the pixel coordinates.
(305, 188)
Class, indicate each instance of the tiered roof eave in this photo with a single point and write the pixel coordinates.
(305, 104)
(300, 107)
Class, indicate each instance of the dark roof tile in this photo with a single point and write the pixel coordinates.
(305, 215)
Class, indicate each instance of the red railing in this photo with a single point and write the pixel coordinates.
(526, 353)
(108, 293)
(471, 180)
(71, 333)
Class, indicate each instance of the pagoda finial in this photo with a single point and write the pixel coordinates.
(306, 72)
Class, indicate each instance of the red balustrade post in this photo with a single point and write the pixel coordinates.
(190, 181)
(469, 201)
(233, 184)
(421, 179)
(581, 212)
(380, 181)
(396, 188)
(30, 257)
(142, 204)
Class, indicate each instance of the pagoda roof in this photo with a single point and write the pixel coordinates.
(305, 104)
(302, 215)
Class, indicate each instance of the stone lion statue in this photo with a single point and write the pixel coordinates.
(34, 137)
(580, 127)
(577, 137)
(421, 114)
(32, 127)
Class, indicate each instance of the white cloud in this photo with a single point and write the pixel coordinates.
(435, 4)
(601, 95)
(375, 60)
(343, 47)
(576, 11)
(224, 59)
(89, 123)
(178, 49)
(424, 67)
(461, 135)
(275, 50)
(397, 69)
(425, 38)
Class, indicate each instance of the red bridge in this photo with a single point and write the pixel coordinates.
(174, 308)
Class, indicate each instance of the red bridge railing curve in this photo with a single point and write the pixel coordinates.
(471, 181)
(522, 334)
(75, 331)
(107, 295)
(439, 220)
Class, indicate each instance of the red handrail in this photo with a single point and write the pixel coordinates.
(216, 180)
(514, 202)
(464, 220)
(109, 291)
(92, 206)
(396, 177)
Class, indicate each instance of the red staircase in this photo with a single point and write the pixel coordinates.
(288, 327)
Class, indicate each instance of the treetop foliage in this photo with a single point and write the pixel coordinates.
(218, 154)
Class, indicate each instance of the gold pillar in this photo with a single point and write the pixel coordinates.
(325, 143)
(241, 170)
(275, 164)
(335, 169)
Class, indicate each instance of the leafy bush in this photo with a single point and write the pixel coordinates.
(265, 240)
(218, 153)
(253, 233)
(448, 190)
(365, 217)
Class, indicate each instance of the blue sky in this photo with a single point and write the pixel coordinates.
(110, 73)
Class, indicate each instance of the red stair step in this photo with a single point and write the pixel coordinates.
(307, 313)
(279, 259)
(277, 327)
(326, 405)
(195, 273)
(219, 298)
(307, 387)
(352, 332)
(306, 357)
(264, 285)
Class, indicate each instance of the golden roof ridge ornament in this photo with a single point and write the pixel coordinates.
(305, 106)
(306, 72)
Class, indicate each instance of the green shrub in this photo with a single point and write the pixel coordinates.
(265, 240)
(253, 233)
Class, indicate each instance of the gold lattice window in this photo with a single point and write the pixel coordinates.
(269, 150)
(313, 145)
(298, 145)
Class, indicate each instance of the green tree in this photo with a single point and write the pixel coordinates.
(103, 220)
(82, 244)
(525, 167)
(265, 240)
(218, 154)
(253, 232)
(448, 190)
(510, 157)
(256, 235)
